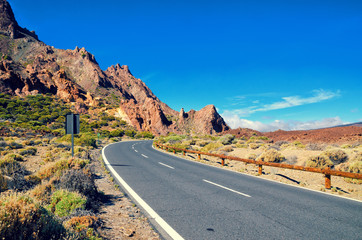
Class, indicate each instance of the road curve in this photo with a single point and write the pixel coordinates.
(197, 201)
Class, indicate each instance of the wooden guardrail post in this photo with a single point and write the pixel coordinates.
(184, 153)
(174, 151)
(327, 180)
(260, 169)
(222, 161)
(199, 156)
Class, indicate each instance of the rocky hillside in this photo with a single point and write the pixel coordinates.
(342, 134)
(29, 66)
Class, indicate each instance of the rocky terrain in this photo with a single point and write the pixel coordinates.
(29, 66)
(340, 134)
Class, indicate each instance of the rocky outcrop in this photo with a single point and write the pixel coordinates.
(8, 24)
(28, 66)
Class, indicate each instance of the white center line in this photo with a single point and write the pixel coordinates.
(246, 195)
(135, 150)
(165, 165)
(144, 156)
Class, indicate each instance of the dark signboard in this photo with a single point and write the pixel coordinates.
(72, 124)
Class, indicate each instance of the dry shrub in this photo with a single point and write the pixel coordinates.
(82, 223)
(355, 164)
(3, 183)
(292, 159)
(227, 149)
(336, 156)
(227, 139)
(315, 147)
(42, 192)
(202, 143)
(213, 146)
(14, 157)
(271, 155)
(13, 174)
(253, 156)
(355, 167)
(321, 161)
(34, 180)
(9, 166)
(56, 168)
(281, 143)
(15, 145)
(21, 217)
(254, 145)
(80, 181)
(28, 151)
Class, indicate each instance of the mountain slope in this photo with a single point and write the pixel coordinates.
(28, 66)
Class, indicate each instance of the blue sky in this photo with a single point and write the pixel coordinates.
(265, 65)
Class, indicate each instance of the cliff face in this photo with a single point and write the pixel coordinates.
(28, 66)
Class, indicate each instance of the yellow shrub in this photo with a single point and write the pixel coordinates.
(25, 218)
(320, 161)
(56, 168)
(79, 224)
(213, 146)
(271, 155)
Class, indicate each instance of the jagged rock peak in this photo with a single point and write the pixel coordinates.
(85, 54)
(119, 69)
(210, 108)
(8, 24)
(7, 17)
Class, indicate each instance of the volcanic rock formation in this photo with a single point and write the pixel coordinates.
(29, 66)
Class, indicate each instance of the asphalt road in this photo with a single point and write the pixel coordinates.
(204, 202)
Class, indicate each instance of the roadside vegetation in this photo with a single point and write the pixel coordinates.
(345, 157)
(44, 192)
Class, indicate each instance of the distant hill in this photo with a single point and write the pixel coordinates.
(338, 134)
(29, 66)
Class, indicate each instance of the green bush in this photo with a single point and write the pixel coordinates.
(298, 144)
(130, 133)
(82, 139)
(64, 202)
(117, 133)
(146, 135)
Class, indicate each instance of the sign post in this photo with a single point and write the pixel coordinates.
(72, 127)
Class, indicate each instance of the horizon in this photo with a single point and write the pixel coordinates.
(289, 66)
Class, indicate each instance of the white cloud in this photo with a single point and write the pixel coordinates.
(292, 101)
(287, 102)
(234, 122)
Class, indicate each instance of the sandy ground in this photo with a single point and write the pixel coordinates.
(121, 217)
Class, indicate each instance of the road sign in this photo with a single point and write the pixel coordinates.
(72, 127)
(72, 124)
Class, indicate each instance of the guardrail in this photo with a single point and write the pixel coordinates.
(326, 171)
